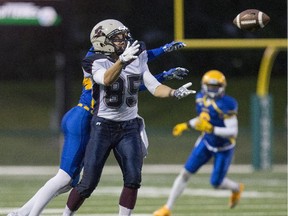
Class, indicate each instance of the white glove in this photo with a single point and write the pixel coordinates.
(129, 53)
(183, 91)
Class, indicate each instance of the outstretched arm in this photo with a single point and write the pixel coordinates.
(174, 73)
(163, 91)
(229, 131)
(153, 53)
(169, 47)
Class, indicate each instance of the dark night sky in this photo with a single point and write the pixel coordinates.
(30, 48)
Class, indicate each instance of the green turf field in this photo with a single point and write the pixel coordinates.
(265, 193)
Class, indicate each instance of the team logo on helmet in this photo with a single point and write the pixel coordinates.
(98, 32)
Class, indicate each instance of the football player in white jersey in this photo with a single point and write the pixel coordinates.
(217, 120)
(118, 68)
(76, 131)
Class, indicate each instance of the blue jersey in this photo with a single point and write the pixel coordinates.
(210, 145)
(86, 95)
(217, 109)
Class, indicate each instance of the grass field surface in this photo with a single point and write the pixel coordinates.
(265, 192)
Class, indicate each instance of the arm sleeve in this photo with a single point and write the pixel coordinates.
(154, 53)
(159, 77)
(150, 81)
(191, 122)
(98, 73)
(230, 129)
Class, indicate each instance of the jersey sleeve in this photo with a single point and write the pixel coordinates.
(93, 64)
(199, 100)
(154, 53)
(87, 64)
(229, 106)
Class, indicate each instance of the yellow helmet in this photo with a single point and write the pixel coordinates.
(213, 83)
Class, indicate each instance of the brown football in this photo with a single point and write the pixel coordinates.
(251, 20)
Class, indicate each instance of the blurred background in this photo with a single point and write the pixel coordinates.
(41, 73)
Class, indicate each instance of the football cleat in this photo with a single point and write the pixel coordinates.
(163, 211)
(235, 197)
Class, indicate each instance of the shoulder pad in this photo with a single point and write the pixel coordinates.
(141, 48)
(88, 61)
(229, 104)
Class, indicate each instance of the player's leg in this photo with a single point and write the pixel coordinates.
(48, 191)
(199, 156)
(25, 209)
(177, 189)
(96, 154)
(222, 161)
(43, 195)
(129, 155)
(219, 180)
(76, 129)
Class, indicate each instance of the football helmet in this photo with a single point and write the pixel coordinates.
(213, 84)
(103, 32)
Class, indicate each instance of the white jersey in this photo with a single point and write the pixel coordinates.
(119, 102)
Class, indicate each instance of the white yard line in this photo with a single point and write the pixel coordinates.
(144, 191)
(59, 211)
(147, 192)
(148, 169)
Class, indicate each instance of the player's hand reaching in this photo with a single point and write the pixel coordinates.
(203, 125)
(129, 53)
(179, 128)
(183, 91)
(175, 73)
(169, 47)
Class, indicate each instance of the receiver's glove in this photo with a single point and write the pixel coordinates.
(175, 73)
(173, 46)
(203, 125)
(183, 91)
(129, 53)
(179, 128)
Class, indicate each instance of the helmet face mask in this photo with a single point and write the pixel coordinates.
(214, 84)
(119, 42)
(104, 36)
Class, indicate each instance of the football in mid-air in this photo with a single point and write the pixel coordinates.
(251, 20)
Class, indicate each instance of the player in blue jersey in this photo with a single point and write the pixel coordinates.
(76, 129)
(118, 68)
(217, 120)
